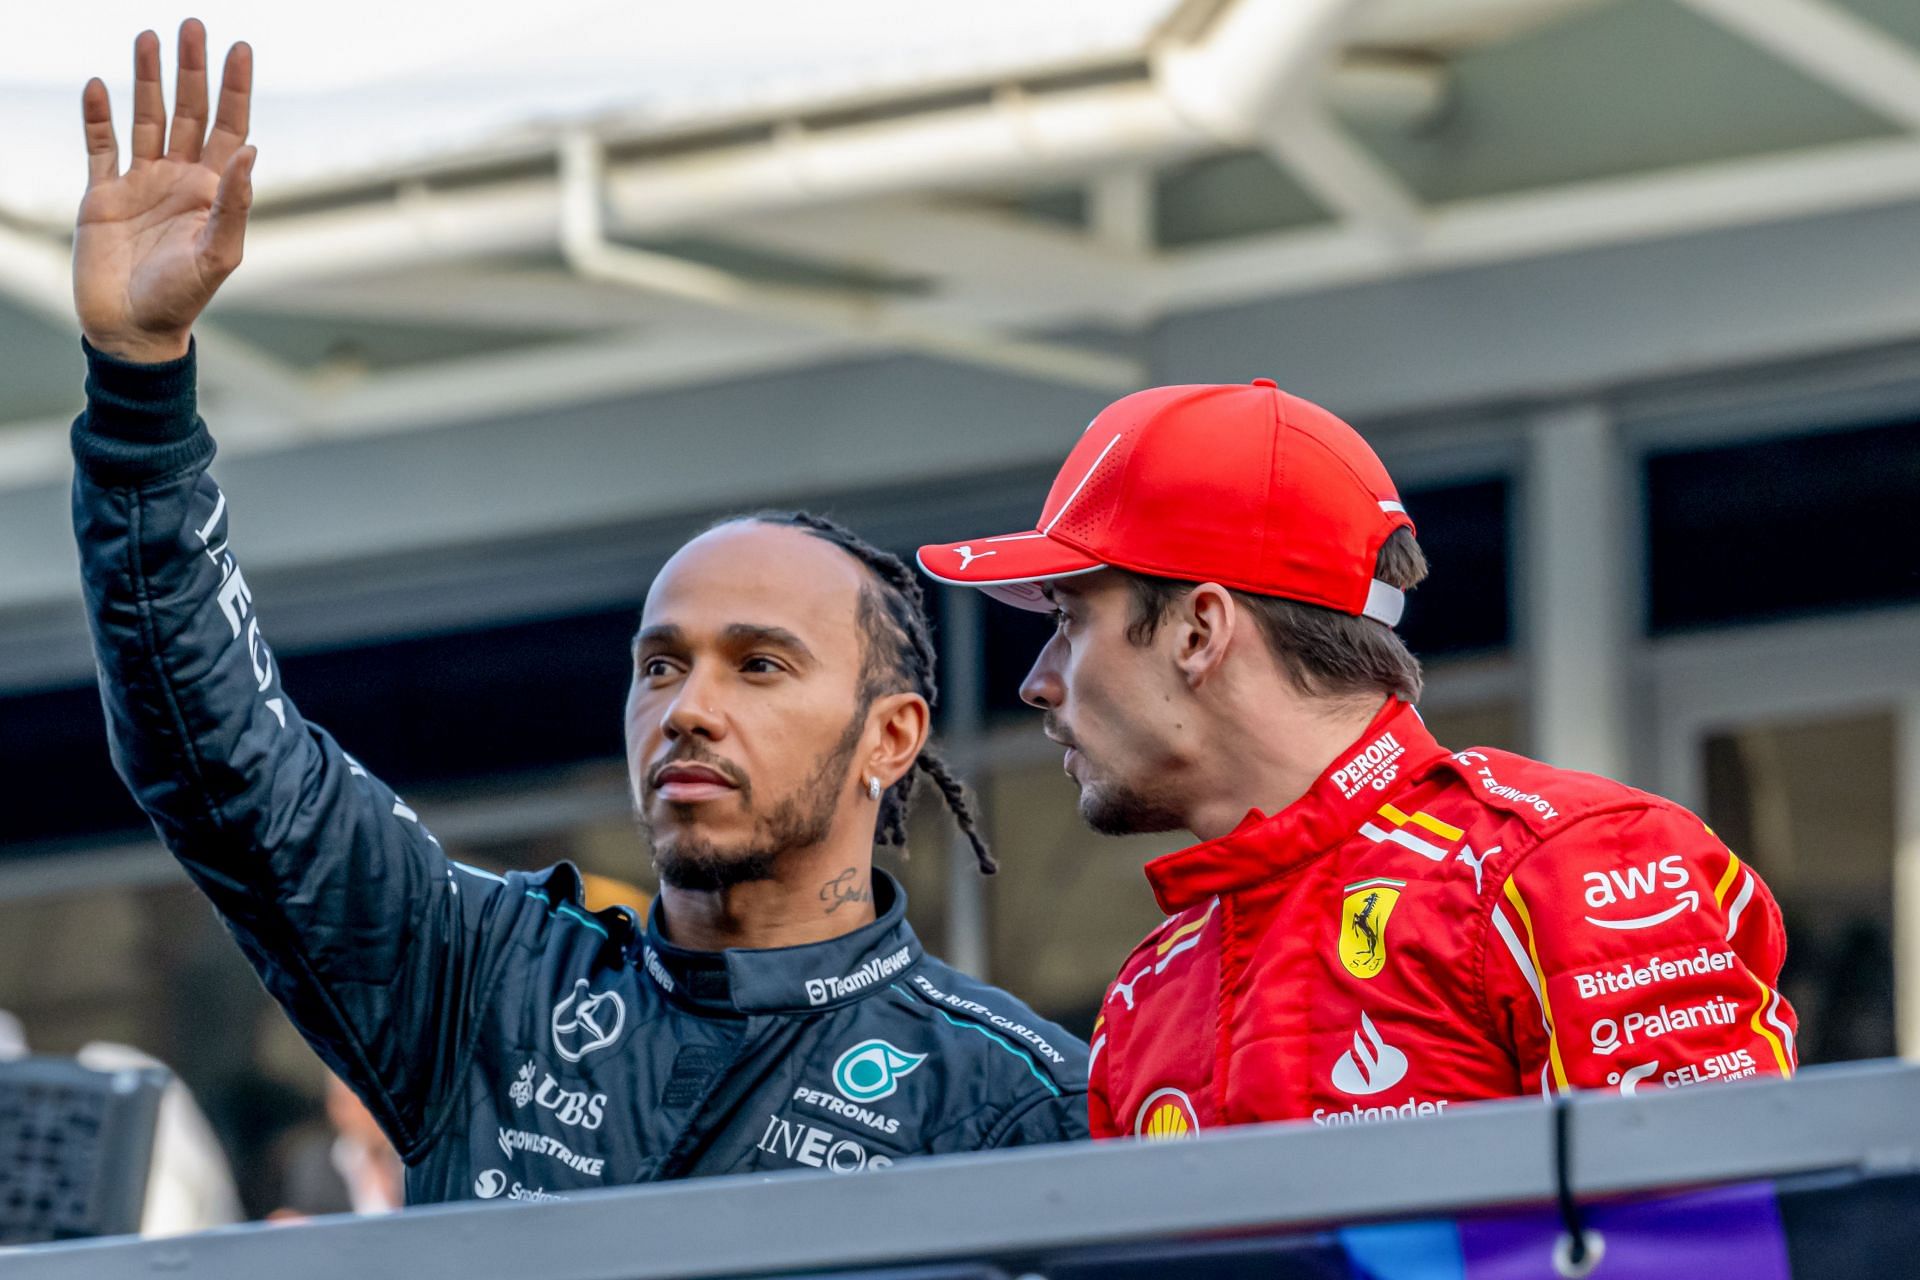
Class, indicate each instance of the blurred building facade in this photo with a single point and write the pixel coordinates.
(1626, 294)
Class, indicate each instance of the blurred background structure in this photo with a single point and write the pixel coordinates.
(1626, 293)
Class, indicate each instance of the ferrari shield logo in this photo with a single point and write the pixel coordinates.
(1363, 925)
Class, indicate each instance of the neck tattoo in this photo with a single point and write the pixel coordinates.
(844, 888)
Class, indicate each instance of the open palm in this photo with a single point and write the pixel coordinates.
(151, 245)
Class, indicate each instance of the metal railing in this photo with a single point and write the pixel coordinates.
(1006, 1209)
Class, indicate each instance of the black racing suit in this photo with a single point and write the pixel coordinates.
(512, 1044)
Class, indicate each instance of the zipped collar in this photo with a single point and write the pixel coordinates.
(817, 975)
(1395, 750)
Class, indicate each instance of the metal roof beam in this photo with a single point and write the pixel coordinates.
(1345, 177)
(37, 272)
(969, 253)
(1558, 220)
(466, 298)
(846, 313)
(1849, 55)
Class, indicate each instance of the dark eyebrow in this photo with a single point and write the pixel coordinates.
(664, 635)
(745, 634)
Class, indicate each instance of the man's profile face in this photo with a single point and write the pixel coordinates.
(1112, 703)
(744, 713)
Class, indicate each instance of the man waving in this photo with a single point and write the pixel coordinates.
(776, 1011)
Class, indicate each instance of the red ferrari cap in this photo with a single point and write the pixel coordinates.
(1243, 485)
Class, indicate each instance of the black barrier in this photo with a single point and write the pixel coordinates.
(75, 1146)
(1743, 1180)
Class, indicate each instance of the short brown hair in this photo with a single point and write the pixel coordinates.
(1324, 652)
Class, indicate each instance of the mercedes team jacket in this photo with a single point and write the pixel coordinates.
(511, 1044)
(1425, 928)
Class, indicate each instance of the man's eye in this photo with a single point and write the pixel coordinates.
(760, 667)
(655, 668)
(1059, 619)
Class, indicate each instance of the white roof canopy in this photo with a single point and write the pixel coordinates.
(483, 218)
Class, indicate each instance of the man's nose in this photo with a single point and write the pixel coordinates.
(1043, 687)
(695, 710)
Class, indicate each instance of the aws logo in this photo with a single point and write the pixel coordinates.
(1167, 1114)
(872, 1070)
(1363, 925)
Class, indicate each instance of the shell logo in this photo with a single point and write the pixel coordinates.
(1166, 1115)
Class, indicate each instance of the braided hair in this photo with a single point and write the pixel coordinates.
(899, 657)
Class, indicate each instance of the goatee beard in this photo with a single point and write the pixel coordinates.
(1115, 811)
(800, 821)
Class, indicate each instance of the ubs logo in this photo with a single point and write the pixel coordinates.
(580, 1026)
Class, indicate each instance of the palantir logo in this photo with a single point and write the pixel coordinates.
(490, 1184)
(582, 1026)
(872, 1070)
(1372, 1065)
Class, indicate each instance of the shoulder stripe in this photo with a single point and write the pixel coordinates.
(1405, 839)
(1019, 1053)
(1739, 905)
(1726, 879)
(1529, 961)
(1185, 930)
(1783, 1054)
(570, 911)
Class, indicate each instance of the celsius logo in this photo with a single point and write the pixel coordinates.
(1629, 1080)
(582, 1026)
(872, 1070)
(1371, 1066)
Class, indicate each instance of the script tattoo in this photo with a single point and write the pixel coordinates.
(844, 888)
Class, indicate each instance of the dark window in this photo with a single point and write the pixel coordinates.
(432, 711)
(1014, 638)
(1464, 605)
(1806, 524)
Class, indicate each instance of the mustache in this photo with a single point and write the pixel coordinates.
(1051, 726)
(690, 752)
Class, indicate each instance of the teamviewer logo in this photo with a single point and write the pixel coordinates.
(817, 991)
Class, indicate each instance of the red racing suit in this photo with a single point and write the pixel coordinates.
(1425, 928)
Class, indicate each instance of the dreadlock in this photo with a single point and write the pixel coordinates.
(898, 657)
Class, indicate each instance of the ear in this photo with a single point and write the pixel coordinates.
(1203, 627)
(902, 722)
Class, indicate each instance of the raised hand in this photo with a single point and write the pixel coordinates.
(153, 244)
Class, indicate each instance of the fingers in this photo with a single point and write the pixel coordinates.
(236, 97)
(149, 103)
(190, 94)
(226, 231)
(96, 115)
